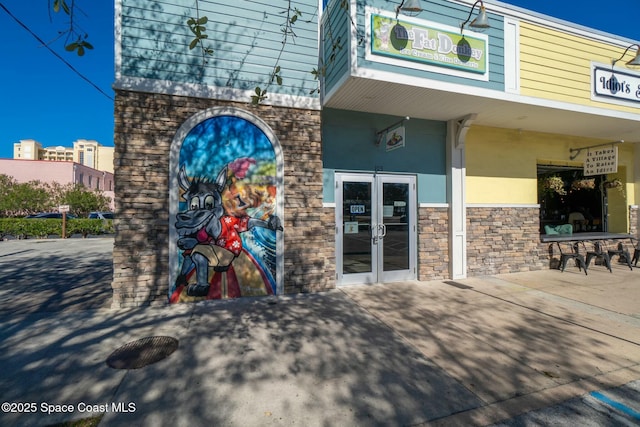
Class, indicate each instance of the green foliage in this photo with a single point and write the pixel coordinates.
(20, 199)
(88, 227)
(276, 75)
(82, 200)
(22, 228)
(57, 4)
(80, 45)
(197, 27)
(261, 95)
(16, 227)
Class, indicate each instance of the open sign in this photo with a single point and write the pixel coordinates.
(356, 209)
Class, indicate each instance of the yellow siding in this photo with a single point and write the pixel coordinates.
(502, 167)
(557, 66)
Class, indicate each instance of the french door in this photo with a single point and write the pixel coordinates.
(376, 228)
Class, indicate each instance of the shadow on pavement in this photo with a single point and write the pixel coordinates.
(53, 275)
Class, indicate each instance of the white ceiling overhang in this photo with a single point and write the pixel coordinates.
(384, 93)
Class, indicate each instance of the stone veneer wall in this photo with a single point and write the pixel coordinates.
(504, 240)
(633, 220)
(329, 225)
(145, 125)
(433, 243)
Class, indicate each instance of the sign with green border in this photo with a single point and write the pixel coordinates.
(427, 45)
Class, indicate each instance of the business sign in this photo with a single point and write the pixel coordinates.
(601, 161)
(618, 85)
(351, 227)
(395, 138)
(429, 45)
(356, 209)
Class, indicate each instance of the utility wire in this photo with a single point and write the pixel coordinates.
(54, 52)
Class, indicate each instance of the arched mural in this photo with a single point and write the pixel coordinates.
(225, 204)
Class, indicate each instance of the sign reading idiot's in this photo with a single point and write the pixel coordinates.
(615, 84)
(430, 45)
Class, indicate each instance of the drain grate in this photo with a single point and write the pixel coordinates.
(143, 352)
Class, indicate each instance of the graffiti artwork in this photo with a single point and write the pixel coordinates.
(226, 225)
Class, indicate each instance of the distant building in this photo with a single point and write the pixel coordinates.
(85, 152)
(62, 172)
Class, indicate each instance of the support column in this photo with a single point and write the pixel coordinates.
(456, 196)
(636, 186)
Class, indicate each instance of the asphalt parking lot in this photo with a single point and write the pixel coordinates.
(46, 275)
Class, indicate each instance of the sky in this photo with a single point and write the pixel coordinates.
(41, 98)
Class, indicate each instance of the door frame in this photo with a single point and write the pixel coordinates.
(377, 275)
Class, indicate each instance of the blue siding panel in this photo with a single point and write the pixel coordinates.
(354, 132)
(246, 37)
(336, 30)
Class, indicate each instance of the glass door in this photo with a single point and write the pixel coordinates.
(376, 228)
(397, 229)
(357, 249)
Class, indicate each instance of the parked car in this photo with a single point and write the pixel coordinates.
(100, 215)
(50, 215)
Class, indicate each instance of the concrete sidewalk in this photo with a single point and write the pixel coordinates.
(469, 352)
(523, 341)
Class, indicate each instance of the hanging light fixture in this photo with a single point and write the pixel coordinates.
(409, 7)
(481, 20)
(633, 62)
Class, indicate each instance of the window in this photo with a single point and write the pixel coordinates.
(566, 196)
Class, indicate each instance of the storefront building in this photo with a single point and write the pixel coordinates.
(425, 150)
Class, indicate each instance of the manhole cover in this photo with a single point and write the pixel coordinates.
(143, 352)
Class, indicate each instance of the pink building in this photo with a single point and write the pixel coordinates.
(61, 172)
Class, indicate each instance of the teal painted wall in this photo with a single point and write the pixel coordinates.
(349, 144)
(246, 37)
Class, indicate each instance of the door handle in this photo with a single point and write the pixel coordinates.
(384, 230)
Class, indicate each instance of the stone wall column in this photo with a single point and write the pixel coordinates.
(145, 126)
(433, 243)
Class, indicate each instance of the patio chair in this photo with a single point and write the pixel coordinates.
(636, 251)
(597, 252)
(569, 250)
(622, 252)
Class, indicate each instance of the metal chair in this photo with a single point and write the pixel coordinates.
(636, 251)
(569, 250)
(621, 251)
(597, 252)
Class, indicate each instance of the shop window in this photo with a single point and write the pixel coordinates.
(566, 196)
